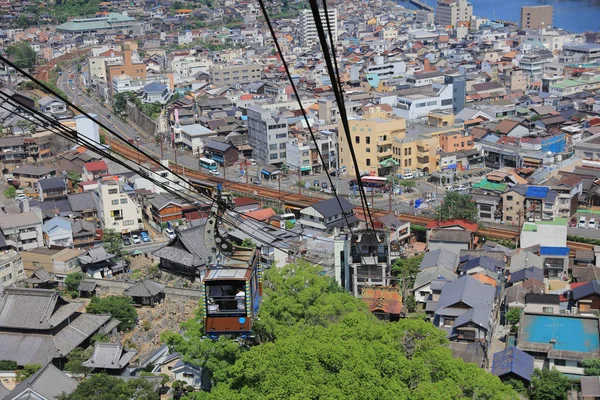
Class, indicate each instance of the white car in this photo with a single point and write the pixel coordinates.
(136, 239)
(450, 188)
(582, 222)
(252, 161)
(215, 172)
(21, 197)
(592, 223)
(170, 233)
(462, 187)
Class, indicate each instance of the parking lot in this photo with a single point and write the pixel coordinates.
(136, 237)
(585, 224)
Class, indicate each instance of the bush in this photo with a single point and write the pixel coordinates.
(8, 365)
(74, 294)
(119, 307)
(27, 371)
(10, 192)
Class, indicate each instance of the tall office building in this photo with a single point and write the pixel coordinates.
(308, 29)
(535, 17)
(268, 135)
(451, 12)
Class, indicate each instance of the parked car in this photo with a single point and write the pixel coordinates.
(316, 183)
(592, 223)
(333, 173)
(256, 181)
(582, 222)
(170, 233)
(145, 236)
(324, 185)
(21, 197)
(215, 172)
(450, 188)
(408, 175)
(252, 161)
(573, 222)
(126, 240)
(462, 187)
(136, 239)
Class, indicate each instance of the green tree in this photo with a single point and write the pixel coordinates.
(27, 371)
(548, 385)
(513, 316)
(119, 307)
(248, 243)
(410, 303)
(23, 22)
(407, 268)
(27, 127)
(74, 177)
(8, 365)
(10, 192)
(113, 242)
(289, 225)
(103, 387)
(591, 366)
(100, 338)
(517, 385)
(408, 184)
(120, 103)
(392, 181)
(457, 206)
(76, 358)
(73, 280)
(22, 54)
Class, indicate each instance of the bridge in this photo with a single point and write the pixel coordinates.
(420, 5)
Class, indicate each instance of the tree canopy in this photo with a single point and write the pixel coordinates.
(317, 341)
(22, 54)
(73, 280)
(457, 206)
(591, 367)
(548, 385)
(113, 242)
(514, 315)
(119, 307)
(103, 387)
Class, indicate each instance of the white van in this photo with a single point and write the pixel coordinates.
(408, 175)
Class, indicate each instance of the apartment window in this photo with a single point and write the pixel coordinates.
(368, 149)
(509, 218)
(113, 191)
(368, 139)
(115, 202)
(282, 155)
(273, 156)
(357, 139)
(280, 135)
(420, 105)
(509, 198)
(281, 146)
(129, 222)
(368, 162)
(559, 362)
(272, 147)
(447, 102)
(548, 310)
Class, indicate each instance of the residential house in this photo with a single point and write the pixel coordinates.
(146, 293)
(93, 170)
(111, 358)
(587, 297)
(422, 288)
(22, 231)
(84, 204)
(13, 150)
(223, 153)
(464, 308)
(186, 255)
(439, 257)
(54, 107)
(453, 235)
(526, 274)
(525, 259)
(480, 264)
(166, 208)
(590, 388)
(39, 327)
(384, 302)
(326, 215)
(11, 269)
(155, 92)
(513, 363)
(29, 176)
(116, 209)
(58, 262)
(551, 233)
(74, 160)
(84, 233)
(48, 383)
(58, 232)
(515, 294)
(97, 262)
(555, 261)
(569, 190)
(246, 204)
(191, 137)
(189, 374)
(559, 341)
(52, 188)
(398, 230)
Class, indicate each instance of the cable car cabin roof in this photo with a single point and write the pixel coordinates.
(228, 274)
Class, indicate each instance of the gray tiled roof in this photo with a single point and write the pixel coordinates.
(95, 255)
(440, 257)
(52, 183)
(145, 288)
(81, 328)
(38, 309)
(467, 290)
(163, 200)
(426, 276)
(82, 201)
(3, 391)
(109, 356)
(27, 348)
(87, 286)
(49, 382)
(187, 249)
(329, 208)
(32, 170)
(82, 228)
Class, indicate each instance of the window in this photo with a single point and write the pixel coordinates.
(281, 146)
(509, 218)
(357, 139)
(368, 149)
(368, 139)
(420, 105)
(548, 310)
(559, 362)
(115, 202)
(129, 222)
(509, 198)
(282, 155)
(447, 102)
(272, 147)
(368, 162)
(123, 201)
(273, 156)
(280, 135)
(113, 191)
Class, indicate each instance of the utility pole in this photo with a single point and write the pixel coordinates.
(224, 168)
(247, 176)
(390, 201)
(299, 186)
(175, 151)
(138, 150)
(279, 184)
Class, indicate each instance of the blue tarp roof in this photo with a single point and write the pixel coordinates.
(554, 251)
(514, 361)
(538, 192)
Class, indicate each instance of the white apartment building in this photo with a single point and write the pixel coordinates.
(553, 40)
(125, 83)
(190, 66)
(267, 135)
(116, 210)
(298, 156)
(386, 70)
(97, 65)
(191, 136)
(415, 103)
(23, 231)
(451, 12)
(158, 174)
(11, 267)
(308, 29)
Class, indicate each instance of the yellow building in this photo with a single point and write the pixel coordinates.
(415, 152)
(372, 136)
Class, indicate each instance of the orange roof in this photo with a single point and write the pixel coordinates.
(483, 278)
(314, 107)
(184, 11)
(383, 299)
(93, 166)
(264, 214)
(246, 97)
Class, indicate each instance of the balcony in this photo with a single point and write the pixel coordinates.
(423, 159)
(27, 235)
(422, 148)
(370, 260)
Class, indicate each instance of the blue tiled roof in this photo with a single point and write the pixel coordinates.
(554, 251)
(513, 360)
(538, 192)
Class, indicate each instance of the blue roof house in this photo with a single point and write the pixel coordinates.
(513, 363)
(58, 232)
(155, 92)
